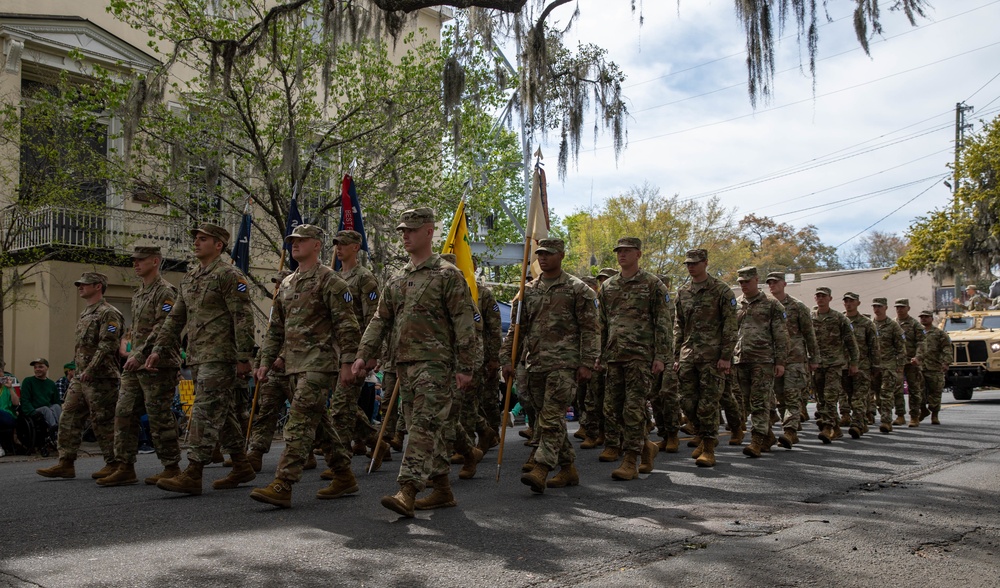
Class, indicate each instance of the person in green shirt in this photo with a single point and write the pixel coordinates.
(40, 396)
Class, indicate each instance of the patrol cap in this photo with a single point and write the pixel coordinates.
(607, 272)
(902, 302)
(347, 238)
(144, 252)
(280, 276)
(40, 360)
(92, 278)
(212, 231)
(879, 302)
(926, 313)
(824, 290)
(450, 258)
(415, 218)
(851, 296)
(69, 366)
(972, 287)
(629, 242)
(696, 255)
(590, 281)
(551, 246)
(775, 276)
(306, 232)
(746, 273)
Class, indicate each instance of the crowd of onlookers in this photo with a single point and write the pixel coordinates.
(36, 398)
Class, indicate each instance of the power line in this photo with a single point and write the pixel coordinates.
(936, 180)
(983, 86)
(851, 199)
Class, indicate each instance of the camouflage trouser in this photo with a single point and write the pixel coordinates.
(700, 387)
(933, 387)
(628, 383)
(426, 391)
(552, 392)
(523, 394)
(898, 393)
(393, 423)
(668, 418)
(213, 416)
(271, 396)
(757, 389)
(364, 430)
(344, 419)
(95, 399)
(857, 389)
(789, 390)
(731, 402)
(307, 414)
(149, 393)
(887, 383)
(827, 383)
(593, 421)
(489, 405)
(915, 388)
(464, 414)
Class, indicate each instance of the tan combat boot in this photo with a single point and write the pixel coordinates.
(186, 482)
(397, 441)
(649, 451)
(914, 422)
(837, 433)
(342, 483)
(769, 441)
(310, 462)
(567, 476)
(774, 417)
(707, 457)
(527, 433)
(63, 469)
(380, 454)
(610, 454)
(472, 459)
(256, 459)
(845, 419)
(530, 464)
(885, 428)
(672, 443)
(699, 449)
(694, 441)
(169, 471)
(826, 435)
(580, 434)
(440, 497)
(217, 456)
(789, 438)
(123, 476)
(277, 493)
(737, 436)
(627, 470)
(924, 412)
(108, 469)
(855, 432)
(590, 443)
(934, 418)
(899, 422)
(457, 458)
(402, 501)
(327, 474)
(241, 472)
(535, 479)
(488, 439)
(757, 442)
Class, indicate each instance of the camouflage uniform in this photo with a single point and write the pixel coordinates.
(635, 333)
(704, 333)
(271, 396)
(312, 324)
(888, 382)
(977, 302)
(145, 392)
(664, 400)
(489, 408)
(762, 344)
(913, 337)
(98, 336)
(427, 312)
(837, 349)
(934, 356)
(858, 389)
(792, 389)
(461, 431)
(557, 327)
(213, 308)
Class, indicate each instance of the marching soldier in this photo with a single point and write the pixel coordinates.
(933, 358)
(93, 391)
(913, 337)
(667, 405)
(858, 388)
(976, 300)
(888, 378)
(838, 351)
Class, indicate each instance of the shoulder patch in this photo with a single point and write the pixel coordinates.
(373, 295)
(496, 307)
(112, 327)
(241, 285)
(477, 317)
(732, 302)
(168, 305)
(784, 315)
(348, 297)
(667, 297)
(597, 303)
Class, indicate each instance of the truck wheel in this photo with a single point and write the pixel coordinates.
(962, 393)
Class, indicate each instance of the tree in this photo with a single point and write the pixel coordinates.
(774, 246)
(877, 249)
(963, 237)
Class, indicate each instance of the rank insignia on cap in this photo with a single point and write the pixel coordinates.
(477, 317)
(496, 307)
(373, 296)
(348, 297)
(241, 285)
(168, 305)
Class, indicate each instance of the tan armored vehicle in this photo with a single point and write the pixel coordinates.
(975, 340)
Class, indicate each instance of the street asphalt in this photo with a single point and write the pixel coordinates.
(918, 506)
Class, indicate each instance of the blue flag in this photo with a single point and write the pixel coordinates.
(241, 247)
(350, 214)
(294, 220)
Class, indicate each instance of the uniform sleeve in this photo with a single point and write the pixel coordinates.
(492, 330)
(169, 334)
(458, 300)
(727, 304)
(507, 347)
(779, 333)
(678, 328)
(918, 335)
(588, 319)
(663, 342)
(338, 300)
(946, 352)
(602, 314)
(850, 343)
(378, 327)
(369, 299)
(164, 302)
(809, 333)
(899, 341)
(237, 294)
(874, 345)
(109, 341)
(274, 338)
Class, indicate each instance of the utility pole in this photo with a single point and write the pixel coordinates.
(960, 126)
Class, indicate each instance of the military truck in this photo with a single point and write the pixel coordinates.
(975, 341)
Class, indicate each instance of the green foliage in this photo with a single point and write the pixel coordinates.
(774, 246)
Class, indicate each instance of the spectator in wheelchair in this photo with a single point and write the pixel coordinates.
(40, 396)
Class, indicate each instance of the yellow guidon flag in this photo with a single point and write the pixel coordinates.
(458, 243)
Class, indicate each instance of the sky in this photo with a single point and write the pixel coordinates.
(867, 151)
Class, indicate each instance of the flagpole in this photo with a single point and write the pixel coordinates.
(256, 386)
(532, 213)
(385, 421)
